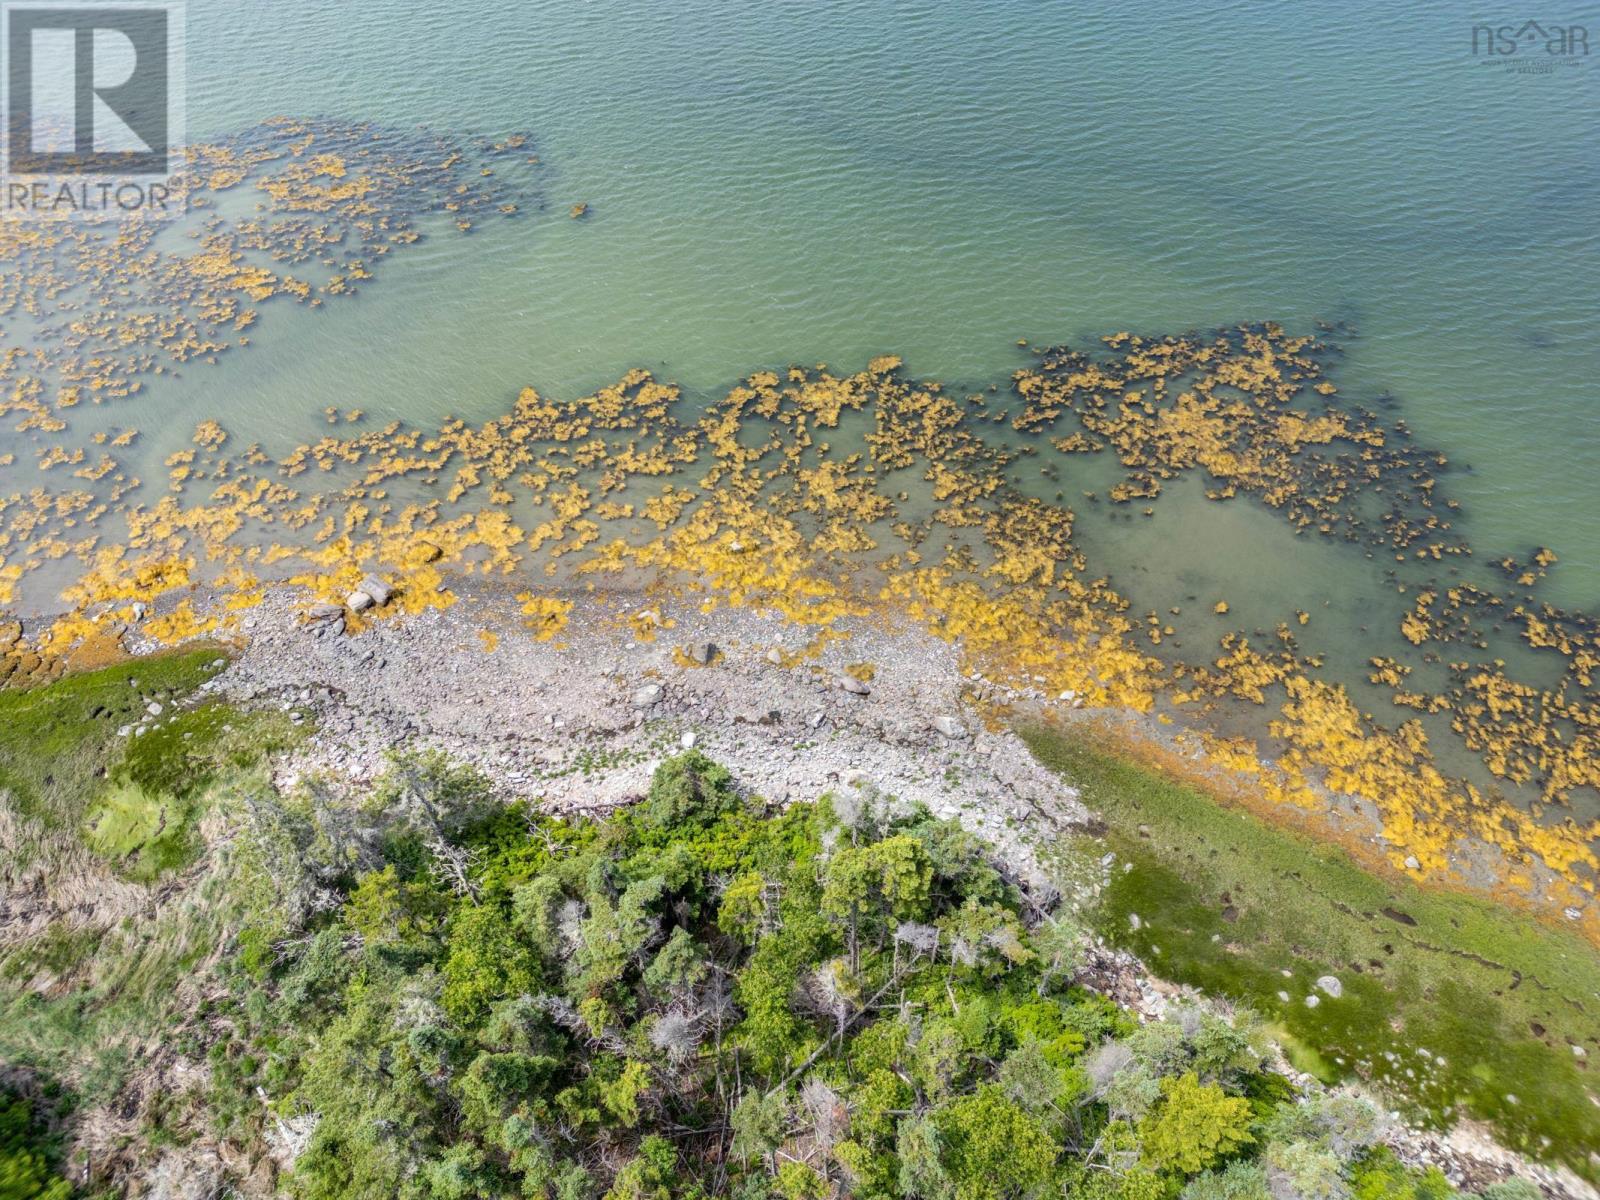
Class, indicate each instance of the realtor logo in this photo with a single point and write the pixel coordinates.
(93, 115)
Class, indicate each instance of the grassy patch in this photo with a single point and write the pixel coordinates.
(148, 833)
(81, 1001)
(182, 754)
(1456, 1005)
(134, 799)
(56, 740)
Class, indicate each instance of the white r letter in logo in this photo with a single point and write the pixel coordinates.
(114, 61)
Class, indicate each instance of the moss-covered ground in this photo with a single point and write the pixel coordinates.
(1458, 1007)
(56, 740)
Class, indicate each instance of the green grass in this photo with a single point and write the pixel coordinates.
(1227, 903)
(147, 833)
(135, 801)
(56, 739)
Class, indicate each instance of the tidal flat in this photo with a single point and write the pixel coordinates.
(1386, 660)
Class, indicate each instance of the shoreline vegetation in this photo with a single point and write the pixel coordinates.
(1460, 1004)
(1474, 1003)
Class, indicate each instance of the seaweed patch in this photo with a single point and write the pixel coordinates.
(813, 494)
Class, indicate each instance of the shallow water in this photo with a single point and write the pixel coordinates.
(827, 181)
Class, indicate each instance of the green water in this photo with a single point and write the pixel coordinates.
(825, 181)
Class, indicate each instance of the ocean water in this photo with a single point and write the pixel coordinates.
(823, 181)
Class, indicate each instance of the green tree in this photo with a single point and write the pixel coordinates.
(1306, 1170)
(678, 967)
(796, 1181)
(614, 935)
(495, 1084)
(687, 790)
(621, 1096)
(487, 959)
(649, 1176)
(25, 1172)
(994, 1150)
(381, 1116)
(462, 1172)
(758, 1121)
(920, 1150)
(1236, 1181)
(1030, 1079)
(1379, 1175)
(535, 906)
(875, 883)
(986, 936)
(743, 907)
(384, 909)
(1193, 1125)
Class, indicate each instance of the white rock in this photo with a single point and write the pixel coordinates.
(1331, 985)
(1284, 997)
(378, 589)
(358, 601)
(688, 740)
(949, 726)
(849, 683)
(1312, 1001)
(153, 708)
(647, 695)
(1412, 864)
(1134, 922)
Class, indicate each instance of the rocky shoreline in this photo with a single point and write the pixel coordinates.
(579, 721)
